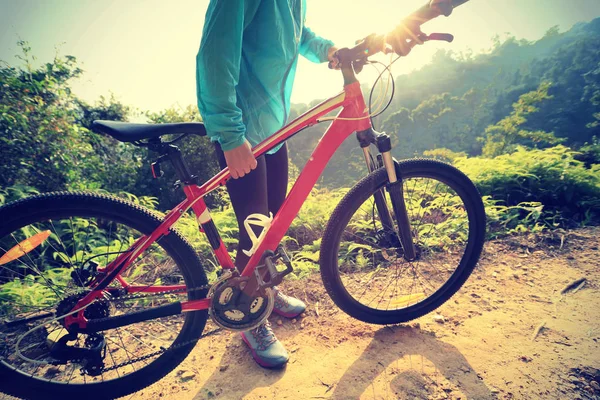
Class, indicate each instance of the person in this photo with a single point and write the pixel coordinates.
(245, 72)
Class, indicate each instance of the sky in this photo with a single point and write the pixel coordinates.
(144, 51)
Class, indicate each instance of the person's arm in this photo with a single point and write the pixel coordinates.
(314, 47)
(217, 75)
(218, 70)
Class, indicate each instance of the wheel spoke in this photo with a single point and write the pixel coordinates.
(383, 279)
(41, 282)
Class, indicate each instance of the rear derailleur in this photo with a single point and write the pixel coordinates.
(91, 356)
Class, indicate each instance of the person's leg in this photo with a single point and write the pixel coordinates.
(277, 178)
(277, 181)
(248, 195)
(263, 190)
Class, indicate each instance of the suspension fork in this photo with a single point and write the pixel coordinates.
(394, 189)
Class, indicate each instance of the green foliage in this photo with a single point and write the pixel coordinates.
(71, 242)
(552, 177)
(33, 290)
(504, 220)
(16, 192)
(589, 153)
(41, 145)
(47, 142)
(444, 154)
(441, 111)
(226, 223)
(441, 121)
(104, 109)
(450, 102)
(310, 223)
(504, 136)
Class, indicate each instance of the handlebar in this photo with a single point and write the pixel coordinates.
(433, 9)
(357, 56)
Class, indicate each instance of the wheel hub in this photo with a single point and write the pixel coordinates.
(389, 241)
(100, 308)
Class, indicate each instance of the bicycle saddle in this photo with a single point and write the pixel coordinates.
(130, 132)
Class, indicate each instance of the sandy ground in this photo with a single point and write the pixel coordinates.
(484, 345)
(484, 349)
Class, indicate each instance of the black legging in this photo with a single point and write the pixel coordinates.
(261, 191)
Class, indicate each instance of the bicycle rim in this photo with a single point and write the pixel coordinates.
(363, 265)
(38, 286)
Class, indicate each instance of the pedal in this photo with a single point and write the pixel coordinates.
(269, 268)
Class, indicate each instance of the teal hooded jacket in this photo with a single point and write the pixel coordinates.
(246, 65)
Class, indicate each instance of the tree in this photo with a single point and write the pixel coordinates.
(41, 144)
(119, 167)
(592, 92)
(502, 137)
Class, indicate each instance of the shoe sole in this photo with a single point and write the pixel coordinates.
(286, 315)
(258, 360)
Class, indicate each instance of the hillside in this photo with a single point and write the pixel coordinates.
(450, 102)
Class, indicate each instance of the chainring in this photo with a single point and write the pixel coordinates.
(232, 309)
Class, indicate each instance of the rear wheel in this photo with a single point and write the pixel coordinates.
(58, 241)
(362, 263)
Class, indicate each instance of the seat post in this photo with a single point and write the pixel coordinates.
(181, 169)
(172, 152)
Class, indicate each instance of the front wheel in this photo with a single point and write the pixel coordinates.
(362, 263)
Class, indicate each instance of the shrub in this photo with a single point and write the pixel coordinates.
(551, 177)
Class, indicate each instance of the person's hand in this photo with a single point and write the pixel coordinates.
(404, 37)
(240, 160)
(334, 63)
(408, 33)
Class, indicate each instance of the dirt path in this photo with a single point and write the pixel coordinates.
(482, 350)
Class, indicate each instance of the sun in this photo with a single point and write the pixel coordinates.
(343, 23)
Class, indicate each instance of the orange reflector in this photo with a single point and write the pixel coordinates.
(407, 300)
(24, 247)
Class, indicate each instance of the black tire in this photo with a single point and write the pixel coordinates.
(76, 204)
(352, 202)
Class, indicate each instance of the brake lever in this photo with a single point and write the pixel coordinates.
(446, 37)
(422, 38)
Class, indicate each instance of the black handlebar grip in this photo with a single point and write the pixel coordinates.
(446, 37)
(456, 3)
(441, 7)
(433, 9)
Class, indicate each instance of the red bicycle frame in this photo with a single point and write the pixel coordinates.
(353, 117)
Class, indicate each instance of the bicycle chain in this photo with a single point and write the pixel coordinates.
(162, 349)
(141, 295)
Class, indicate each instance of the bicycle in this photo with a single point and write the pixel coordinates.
(124, 297)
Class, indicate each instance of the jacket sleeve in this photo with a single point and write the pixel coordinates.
(218, 70)
(314, 47)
